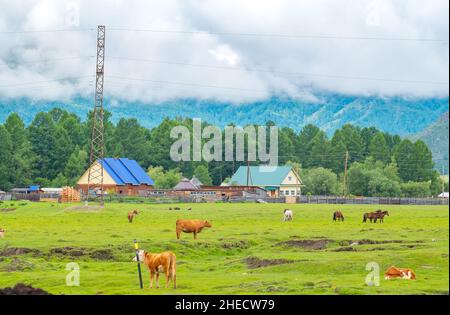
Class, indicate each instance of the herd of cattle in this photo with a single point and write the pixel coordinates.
(165, 262)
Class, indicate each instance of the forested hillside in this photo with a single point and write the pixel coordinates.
(53, 151)
(400, 116)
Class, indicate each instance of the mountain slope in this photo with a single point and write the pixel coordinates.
(436, 137)
(395, 115)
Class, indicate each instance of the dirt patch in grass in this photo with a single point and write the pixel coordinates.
(78, 252)
(23, 289)
(307, 244)
(15, 251)
(345, 249)
(236, 244)
(68, 251)
(7, 209)
(84, 208)
(102, 254)
(255, 262)
(375, 242)
(18, 265)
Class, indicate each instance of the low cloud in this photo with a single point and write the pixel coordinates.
(157, 66)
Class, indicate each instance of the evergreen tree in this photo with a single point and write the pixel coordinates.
(5, 159)
(201, 172)
(22, 156)
(378, 148)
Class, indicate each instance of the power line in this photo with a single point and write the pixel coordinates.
(46, 31)
(187, 84)
(289, 36)
(45, 81)
(48, 60)
(300, 74)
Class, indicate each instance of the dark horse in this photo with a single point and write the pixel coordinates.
(374, 216)
(381, 215)
(338, 216)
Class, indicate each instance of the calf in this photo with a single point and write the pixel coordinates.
(403, 273)
(131, 215)
(156, 263)
(191, 226)
(2, 233)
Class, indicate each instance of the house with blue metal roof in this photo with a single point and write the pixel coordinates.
(278, 181)
(121, 175)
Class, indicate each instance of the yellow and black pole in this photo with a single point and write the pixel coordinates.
(136, 247)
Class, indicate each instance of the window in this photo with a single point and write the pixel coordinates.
(281, 192)
(290, 178)
(293, 192)
(286, 192)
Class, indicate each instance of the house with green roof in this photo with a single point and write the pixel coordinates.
(278, 181)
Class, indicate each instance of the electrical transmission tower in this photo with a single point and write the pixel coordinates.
(95, 177)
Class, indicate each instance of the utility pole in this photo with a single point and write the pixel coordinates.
(344, 190)
(95, 177)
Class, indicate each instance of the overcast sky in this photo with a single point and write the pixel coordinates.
(329, 49)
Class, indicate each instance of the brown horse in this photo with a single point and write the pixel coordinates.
(338, 216)
(131, 215)
(371, 216)
(381, 215)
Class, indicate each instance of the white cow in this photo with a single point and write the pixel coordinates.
(288, 215)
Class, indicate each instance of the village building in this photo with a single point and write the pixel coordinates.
(277, 181)
(120, 176)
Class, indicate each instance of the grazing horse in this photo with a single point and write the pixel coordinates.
(371, 216)
(381, 215)
(338, 216)
(288, 215)
(131, 215)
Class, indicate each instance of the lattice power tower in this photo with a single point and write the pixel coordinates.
(95, 177)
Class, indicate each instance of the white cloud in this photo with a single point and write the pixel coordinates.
(324, 64)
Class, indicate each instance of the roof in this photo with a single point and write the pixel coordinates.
(195, 181)
(261, 175)
(443, 195)
(34, 188)
(185, 184)
(125, 171)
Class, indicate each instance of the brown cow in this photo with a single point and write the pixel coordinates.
(131, 215)
(404, 273)
(191, 226)
(2, 233)
(162, 262)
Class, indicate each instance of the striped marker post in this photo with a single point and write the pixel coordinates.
(136, 247)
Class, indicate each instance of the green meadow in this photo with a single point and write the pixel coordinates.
(249, 250)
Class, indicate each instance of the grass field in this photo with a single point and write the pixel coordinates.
(245, 252)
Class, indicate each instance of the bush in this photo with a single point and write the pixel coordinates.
(415, 189)
(320, 181)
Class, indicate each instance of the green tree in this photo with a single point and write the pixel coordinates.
(320, 181)
(416, 189)
(43, 141)
(320, 150)
(22, 156)
(304, 143)
(381, 186)
(404, 155)
(201, 172)
(163, 179)
(76, 166)
(378, 148)
(5, 158)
